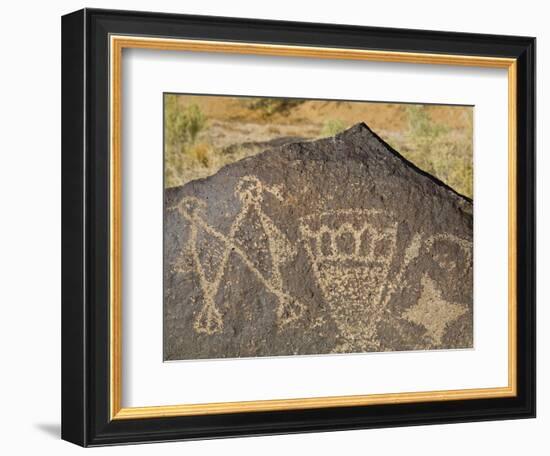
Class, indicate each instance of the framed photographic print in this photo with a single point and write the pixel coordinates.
(279, 227)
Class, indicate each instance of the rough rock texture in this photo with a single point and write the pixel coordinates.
(331, 246)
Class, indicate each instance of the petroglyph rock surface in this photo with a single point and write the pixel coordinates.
(332, 246)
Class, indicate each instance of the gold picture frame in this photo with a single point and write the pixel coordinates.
(117, 46)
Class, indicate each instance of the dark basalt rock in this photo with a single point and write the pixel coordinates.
(331, 246)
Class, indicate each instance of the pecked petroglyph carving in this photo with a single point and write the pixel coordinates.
(350, 250)
(351, 262)
(250, 192)
(350, 258)
(441, 258)
(432, 311)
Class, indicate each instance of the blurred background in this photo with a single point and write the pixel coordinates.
(204, 133)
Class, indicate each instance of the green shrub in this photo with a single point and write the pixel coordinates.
(183, 124)
(443, 153)
(421, 125)
(332, 127)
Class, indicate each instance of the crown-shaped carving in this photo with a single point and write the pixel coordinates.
(353, 234)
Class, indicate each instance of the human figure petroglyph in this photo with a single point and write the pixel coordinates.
(209, 319)
(250, 191)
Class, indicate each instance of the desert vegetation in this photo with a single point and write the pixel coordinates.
(205, 133)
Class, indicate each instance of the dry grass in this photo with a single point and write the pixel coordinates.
(205, 133)
(437, 148)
